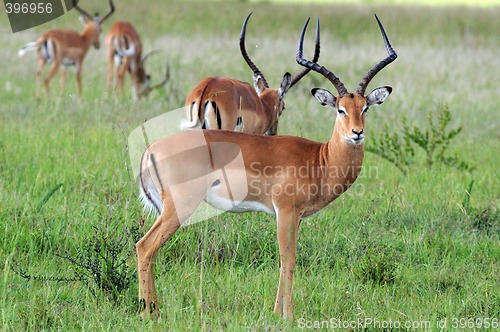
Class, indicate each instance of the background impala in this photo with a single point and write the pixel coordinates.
(62, 48)
(334, 166)
(125, 55)
(226, 103)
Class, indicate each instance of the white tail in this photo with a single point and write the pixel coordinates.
(27, 48)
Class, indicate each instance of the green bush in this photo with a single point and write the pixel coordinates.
(402, 149)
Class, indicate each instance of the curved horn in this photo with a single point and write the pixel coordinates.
(378, 67)
(144, 58)
(112, 10)
(83, 12)
(165, 80)
(315, 58)
(316, 67)
(244, 53)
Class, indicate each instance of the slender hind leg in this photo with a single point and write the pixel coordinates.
(39, 70)
(120, 75)
(62, 72)
(111, 69)
(52, 72)
(147, 249)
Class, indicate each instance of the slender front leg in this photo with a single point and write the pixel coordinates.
(79, 78)
(288, 224)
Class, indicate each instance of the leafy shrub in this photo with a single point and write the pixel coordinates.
(101, 262)
(401, 149)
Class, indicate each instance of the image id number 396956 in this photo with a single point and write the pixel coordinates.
(28, 7)
(475, 323)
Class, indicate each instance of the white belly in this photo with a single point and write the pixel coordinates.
(225, 204)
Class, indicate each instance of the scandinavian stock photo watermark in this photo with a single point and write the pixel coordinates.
(308, 179)
(390, 324)
(225, 163)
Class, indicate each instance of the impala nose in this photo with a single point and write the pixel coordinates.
(359, 132)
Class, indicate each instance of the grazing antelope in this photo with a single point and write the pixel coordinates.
(226, 103)
(125, 55)
(63, 48)
(289, 177)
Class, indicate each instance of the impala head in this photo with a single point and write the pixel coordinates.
(273, 98)
(351, 108)
(93, 23)
(145, 79)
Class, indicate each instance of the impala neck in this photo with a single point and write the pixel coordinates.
(268, 99)
(89, 34)
(343, 159)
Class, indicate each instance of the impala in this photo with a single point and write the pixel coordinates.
(63, 48)
(226, 103)
(125, 55)
(288, 177)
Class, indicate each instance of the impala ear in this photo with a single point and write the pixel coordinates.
(258, 83)
(378, 96)
(285, 85)
(324, 97)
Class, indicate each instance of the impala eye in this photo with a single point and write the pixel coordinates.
(341, 112)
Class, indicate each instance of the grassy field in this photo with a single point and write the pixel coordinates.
(481, 3)
(421, 249)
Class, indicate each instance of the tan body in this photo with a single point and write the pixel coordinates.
(62, 48)
(229, 104)
(335, 164)
(289, 177)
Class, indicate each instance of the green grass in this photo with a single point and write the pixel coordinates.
(395, 247)
(438, 3)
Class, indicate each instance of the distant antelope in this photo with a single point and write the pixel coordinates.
(62, 48)
(286, 176)
(226, 103)
(125, 55)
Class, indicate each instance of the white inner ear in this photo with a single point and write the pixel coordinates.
(258, 84)
(324, 97)
(285, 85)
(378, 96)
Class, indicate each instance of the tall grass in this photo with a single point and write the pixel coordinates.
(395, 247)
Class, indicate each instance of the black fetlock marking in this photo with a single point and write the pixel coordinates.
(142, 305)
(152, 308)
